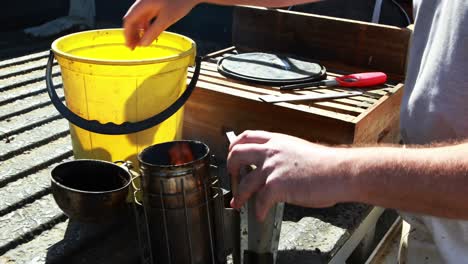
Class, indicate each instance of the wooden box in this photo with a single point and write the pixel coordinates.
(219, 104)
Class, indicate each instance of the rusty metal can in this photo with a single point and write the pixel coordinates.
(177, 201)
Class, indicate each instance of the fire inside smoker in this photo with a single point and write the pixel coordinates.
(180, 153)
(182, 206)
(184, 217)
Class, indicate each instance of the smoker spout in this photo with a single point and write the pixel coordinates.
(226, 226)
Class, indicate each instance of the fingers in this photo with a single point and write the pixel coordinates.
(267, 197)
(132, 37)
(133, 20)
(161, 23)
(142, 12)
(249, 149)
(241, 156)
(252, 137)
(250, 183)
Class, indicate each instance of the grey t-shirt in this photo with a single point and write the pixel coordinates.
(435, 101)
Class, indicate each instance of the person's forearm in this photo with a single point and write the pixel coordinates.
(262, 3)
(423, 180)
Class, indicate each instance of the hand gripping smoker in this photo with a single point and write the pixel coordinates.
(182, 218)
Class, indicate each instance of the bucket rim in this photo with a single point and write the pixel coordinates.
(60, 53)
(74, 190)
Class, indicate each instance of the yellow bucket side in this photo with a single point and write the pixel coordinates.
(103, 80)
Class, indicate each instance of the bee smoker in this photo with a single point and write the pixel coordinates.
(258, 241)
(184, 218)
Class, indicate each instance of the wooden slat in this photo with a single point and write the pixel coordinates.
(349, 109)
(373, 46)
(353, 106)
(229, 91)
(219, 53)
(211, 111)
(211, 70)
(221, 104)
(380, 123)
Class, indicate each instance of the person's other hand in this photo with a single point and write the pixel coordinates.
(288, 169)
(138, 29)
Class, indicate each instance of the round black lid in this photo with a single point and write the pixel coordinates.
(270, 69)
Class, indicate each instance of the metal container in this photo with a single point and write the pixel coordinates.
(178, 205)
(91, 190)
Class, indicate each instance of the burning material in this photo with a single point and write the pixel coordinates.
(181, 223)
(180, 153)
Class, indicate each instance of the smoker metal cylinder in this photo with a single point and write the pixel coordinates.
(178, 205)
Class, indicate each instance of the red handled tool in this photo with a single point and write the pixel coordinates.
(364, 79)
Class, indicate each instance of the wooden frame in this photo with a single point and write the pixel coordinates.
(220, 104)
(346, 43)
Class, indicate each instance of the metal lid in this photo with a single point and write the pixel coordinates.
(270, 69)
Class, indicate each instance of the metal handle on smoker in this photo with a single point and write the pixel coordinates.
(215, 218)
(127, 165)
(126, 127)
(136, 190)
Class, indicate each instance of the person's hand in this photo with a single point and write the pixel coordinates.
(138, 29)
(288, 169)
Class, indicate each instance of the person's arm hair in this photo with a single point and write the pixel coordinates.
(429, 180)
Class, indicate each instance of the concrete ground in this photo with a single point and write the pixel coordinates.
(34, 138)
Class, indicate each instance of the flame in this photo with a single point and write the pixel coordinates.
(180, 153)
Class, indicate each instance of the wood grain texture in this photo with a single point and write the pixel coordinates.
(210, 113)
(220, 104)
(360, 44)
(380, 123)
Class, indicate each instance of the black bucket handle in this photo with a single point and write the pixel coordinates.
(126, 127)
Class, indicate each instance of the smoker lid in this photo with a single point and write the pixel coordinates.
(270, 69)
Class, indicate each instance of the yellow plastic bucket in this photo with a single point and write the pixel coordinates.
(120, 101)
